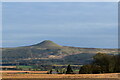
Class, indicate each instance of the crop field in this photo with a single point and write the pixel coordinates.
(17, 72)
(60, 75)
(65, 79)
(36, 75)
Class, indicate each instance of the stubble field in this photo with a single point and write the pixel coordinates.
(65, 79)
(37, 76)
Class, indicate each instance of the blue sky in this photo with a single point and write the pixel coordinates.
(79, 24)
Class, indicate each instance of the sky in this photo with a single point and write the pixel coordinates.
(78, 24)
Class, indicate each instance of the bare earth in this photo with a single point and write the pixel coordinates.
(36, 75)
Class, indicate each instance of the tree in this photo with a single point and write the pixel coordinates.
(69, 70)
(117, 63)
(85, 69)
(96, 69)
(51, 71)
(105, 61)
(57, 71)
(102, 63)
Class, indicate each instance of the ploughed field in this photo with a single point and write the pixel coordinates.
(36, 75)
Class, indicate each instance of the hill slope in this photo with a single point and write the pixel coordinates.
(48, 52)
(47, 44)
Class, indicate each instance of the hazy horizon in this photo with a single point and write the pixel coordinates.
(78, 24)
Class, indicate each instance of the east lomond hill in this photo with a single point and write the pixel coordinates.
(49, 53)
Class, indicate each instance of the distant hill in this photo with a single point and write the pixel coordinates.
(48, 44)
(48, 52)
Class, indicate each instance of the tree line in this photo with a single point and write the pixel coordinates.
(102, 63)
